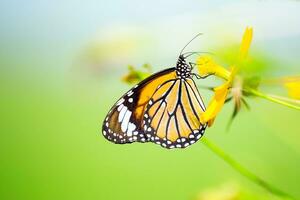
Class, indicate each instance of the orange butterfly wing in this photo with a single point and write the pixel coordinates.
(123, 123)
(172, 116)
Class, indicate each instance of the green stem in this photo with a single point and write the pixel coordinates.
(242, 170)
(288, 100)
(259, 94)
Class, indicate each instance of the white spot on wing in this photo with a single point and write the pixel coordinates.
(122, 113)
(129, 93)
(131, 127)
(130, 100)
(125, 121)
(120, 102)
(120, 107)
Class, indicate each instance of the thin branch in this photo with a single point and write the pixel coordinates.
(286, 99)
(270, 98)
(243, 171)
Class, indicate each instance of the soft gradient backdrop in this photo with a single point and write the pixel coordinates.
(61, 63)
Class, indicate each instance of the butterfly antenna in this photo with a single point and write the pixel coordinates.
(190, 42)
(197, 52)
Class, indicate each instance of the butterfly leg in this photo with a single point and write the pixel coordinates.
(202, 77)
(197, 75)
(192, 64)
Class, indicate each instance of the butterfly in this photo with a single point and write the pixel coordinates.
(165, 109)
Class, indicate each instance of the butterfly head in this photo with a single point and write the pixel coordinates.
(183, 69)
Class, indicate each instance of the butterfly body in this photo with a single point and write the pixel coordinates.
(183, 70)
(165, 109)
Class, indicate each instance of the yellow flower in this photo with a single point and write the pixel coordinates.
(293, 87)
(208, 66)
(218, 100)
(134, 76)
(246, 41)
(216, 104)
(290, 83)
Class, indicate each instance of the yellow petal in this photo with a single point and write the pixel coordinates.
(246, 41)
(206, 66)
(232, 75)
(291, 83)
(293, 89)
(216, 104)
(218, 99)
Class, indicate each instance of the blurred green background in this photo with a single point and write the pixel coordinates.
(61, 63)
